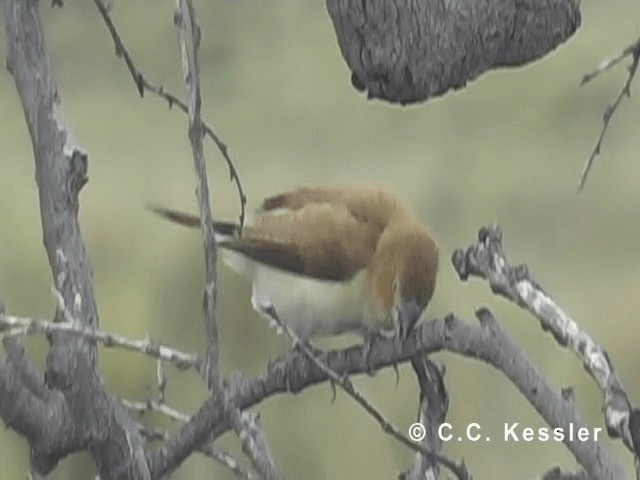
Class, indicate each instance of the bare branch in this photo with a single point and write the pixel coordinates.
(433, 407)
(610, 62)
(459, 469)
(633, 51)
(226, 459)
(254, 445)
(143, 84)
(486, 259)
(17, 357)
(33, 379)
(155, 406)
(209, 450)
(191, 74)
(96, 421)
(295, 372)
(44, 421)
(30, 326)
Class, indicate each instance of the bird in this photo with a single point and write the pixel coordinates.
(332, 260)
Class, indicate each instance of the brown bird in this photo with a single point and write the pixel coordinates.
(332, 260)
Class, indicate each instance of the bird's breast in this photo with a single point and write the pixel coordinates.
(310, 307)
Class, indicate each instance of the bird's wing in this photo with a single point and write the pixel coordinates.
(369, 205)
(319, 240)
(325, 233)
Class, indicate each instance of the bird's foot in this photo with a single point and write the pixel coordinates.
(267, 310)
(370, 338)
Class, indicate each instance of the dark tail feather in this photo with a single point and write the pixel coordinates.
(193, 221)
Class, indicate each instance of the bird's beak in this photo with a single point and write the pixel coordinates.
(408, 314)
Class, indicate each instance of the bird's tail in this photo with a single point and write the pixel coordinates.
(223, 230)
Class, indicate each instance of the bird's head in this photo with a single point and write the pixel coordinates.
(404, 275)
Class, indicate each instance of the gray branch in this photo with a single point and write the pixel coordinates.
(190, 55)
(27, 407)
(295, 372)
(92, 419)
(432, 411)
(405, 51)
(20, 326)
(32, 378)
(254, 444)
(486, 259)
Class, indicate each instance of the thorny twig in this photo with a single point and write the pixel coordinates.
(632, 50)
(143, 84)
(11, 325)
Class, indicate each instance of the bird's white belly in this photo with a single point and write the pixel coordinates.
(309, 307)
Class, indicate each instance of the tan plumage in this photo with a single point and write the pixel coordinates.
(333, 259)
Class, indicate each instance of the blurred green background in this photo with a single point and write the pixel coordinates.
(508, 148)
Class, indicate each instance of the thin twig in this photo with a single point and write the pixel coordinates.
(632, 50)
(610, 62)
(254, 445)
(208, 450)
(151, 433)
(143, 84)
(432, 411)
(459, 469)
(143, 407)
(30, 326)
(190, 55)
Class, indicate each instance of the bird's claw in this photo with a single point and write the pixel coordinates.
(369, 339)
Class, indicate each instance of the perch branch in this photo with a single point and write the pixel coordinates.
(295, 372)
(459, 469)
